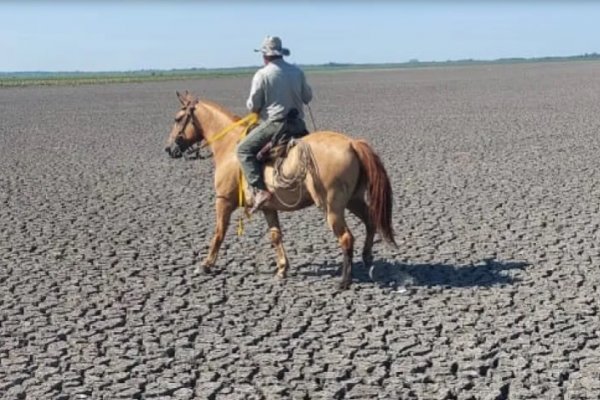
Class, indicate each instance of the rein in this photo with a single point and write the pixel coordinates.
(248, 121)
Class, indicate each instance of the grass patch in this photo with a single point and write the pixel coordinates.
(20, 79)
(88, 78)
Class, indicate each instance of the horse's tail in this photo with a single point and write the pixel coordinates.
(379, 189)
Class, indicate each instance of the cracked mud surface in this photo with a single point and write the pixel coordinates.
(492, 294)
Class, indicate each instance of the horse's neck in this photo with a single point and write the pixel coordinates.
(214, 121)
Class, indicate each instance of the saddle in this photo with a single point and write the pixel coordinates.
(278, 147)
(271, 152)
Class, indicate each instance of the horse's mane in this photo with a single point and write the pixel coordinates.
(222, 109)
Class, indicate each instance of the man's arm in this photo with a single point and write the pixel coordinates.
(256, 99)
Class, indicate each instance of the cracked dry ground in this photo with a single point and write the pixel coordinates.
(492, 293)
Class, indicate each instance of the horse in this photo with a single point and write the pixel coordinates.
(346, 174)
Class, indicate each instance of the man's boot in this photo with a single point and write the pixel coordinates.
(260, 198)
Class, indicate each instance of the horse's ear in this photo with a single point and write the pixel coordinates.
(180, 97)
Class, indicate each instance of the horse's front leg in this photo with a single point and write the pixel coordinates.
(224, 208)
(276, 239)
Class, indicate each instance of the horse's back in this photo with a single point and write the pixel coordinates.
(333, 152)
(328, 138)
(336, 162)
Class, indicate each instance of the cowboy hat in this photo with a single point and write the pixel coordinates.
(271, 46)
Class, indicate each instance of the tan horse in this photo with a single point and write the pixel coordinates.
(349, 173)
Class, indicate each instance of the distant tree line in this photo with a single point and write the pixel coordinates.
(75, 77)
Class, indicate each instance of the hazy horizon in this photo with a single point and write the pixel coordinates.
(575, 57)
(132, 36)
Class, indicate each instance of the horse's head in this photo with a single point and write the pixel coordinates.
(186, 130)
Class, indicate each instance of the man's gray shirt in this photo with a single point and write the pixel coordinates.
(277, 88)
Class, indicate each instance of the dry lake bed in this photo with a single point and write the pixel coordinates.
(492, 293)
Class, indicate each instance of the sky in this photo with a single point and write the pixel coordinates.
(132, 35)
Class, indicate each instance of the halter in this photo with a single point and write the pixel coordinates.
(189, 111)
(189, 115)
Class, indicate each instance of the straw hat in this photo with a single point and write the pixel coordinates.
(271, 46)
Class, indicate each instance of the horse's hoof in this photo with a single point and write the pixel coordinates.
(368, 261)
(205, 269)
(344, 285)
(281, 275)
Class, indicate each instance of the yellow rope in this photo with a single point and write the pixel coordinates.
(249, 120)
(242, 181)
(240, 228)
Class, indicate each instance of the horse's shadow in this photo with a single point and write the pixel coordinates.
(488, 272)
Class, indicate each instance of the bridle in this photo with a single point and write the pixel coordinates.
(188, 151)
(180, 144)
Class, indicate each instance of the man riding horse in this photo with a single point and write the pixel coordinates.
(278, 93)
(340, 173)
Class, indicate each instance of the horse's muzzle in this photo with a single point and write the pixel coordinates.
(174, 151)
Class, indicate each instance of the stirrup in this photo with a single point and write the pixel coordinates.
(258, 205)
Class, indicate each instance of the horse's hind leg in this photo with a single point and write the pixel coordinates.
(276, 239)
(359, 208)
(346, 240)
(223, 208)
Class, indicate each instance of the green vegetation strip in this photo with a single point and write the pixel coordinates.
(52, 79)
(17, 79)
